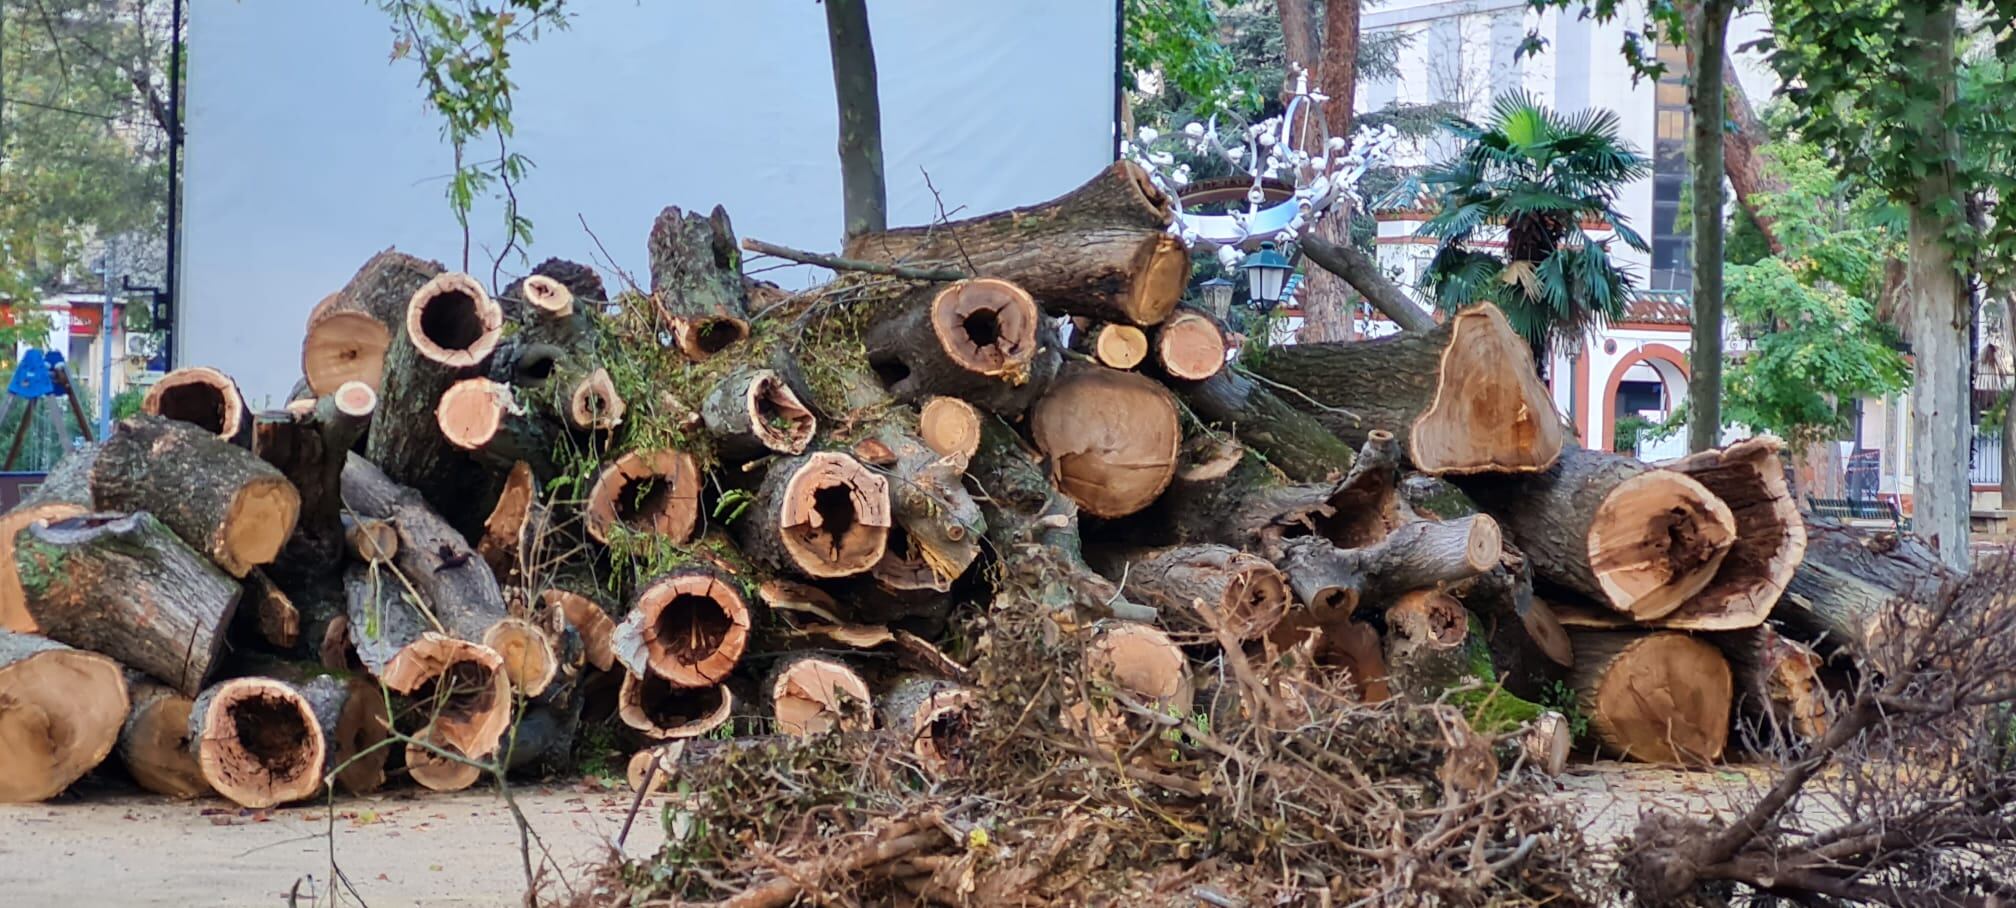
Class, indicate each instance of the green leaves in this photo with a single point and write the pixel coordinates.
(1178, 39)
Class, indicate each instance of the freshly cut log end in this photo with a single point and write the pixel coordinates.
(203, 397)
(826, 514)
(257, 742)
(594, 405)
(257, 522)
(1119, 346)
(951, 427)
(459, 688)
(662, 712)
(473, 411)
(435, 771)
(1190, 347)
(1660, 697)
(1770, 543)
(529, 660)
(1547, 742)
(506, 530)
(14, 614)
(647, 492)
(755, 413)
(549, 297)
(154, 743)
(937, 718)
(645, 768)
(1112, 439)
(61, 711)
(225, 503)
(689, 628)
(1657, 540)
(1491, 412)
(355, 399)
(1163, 266)
(815, 695)
(588, 619)
(453, 321)
(987, 326)
(344, 347)
(370, 539)
(1137, 662)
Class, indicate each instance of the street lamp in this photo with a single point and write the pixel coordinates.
(1217, 296)
(1266, 274)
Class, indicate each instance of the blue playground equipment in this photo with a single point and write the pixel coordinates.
(41, 376)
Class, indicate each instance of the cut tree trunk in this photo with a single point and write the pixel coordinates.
(938, 526)
(811, 695)
(754, 413)
(1770, 538)
(125, 586)
(982, 340)
(484, 419)
(64, 710)
(822, 515)
(1659, 697)
(508, 531)
(14, 614)
(1780, 700)
(1292, 441)
(1102, 250)
(1114, 346)
(1112, 438)
(1335, 582)
(448, 333)
(1640, 540)
(936, 717)
(655, 492)
(696, 281)
(1427, 644)
(1462, 398)
(349, 333)
(660, 711)
(951, 427)
(1137, 663)
(1228, 495)
(351, 715)
(1529, 647)
(205, 398)
(1190, 346)
(689, 627)
(310, 450)
(256, 742)
(230, 506)
(370, 539)
(154, 742)
(1854, 591)
(1246, 595)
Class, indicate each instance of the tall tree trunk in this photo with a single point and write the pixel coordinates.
(1939, 312)
(861, 177)
(1362, 272)
(1298, 39)
(1326, 304)
(1742, 154)
(1708, 31)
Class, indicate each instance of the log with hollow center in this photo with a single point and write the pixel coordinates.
(662, 711)
(455, 689)
(350, 331)
(937, 524)
(813, 695)
(63, 710)
(1426, 636)
(823, 515)
(1661, 697)
(1641, 540)
(696, 281)
(936, 717)
(154, 742)
(594, 404)
(982, 340)
(548, 295)
(1133, 662)
(689, 627)
(449, 331)
(1111, 438)
(1338, 644)
(257, 742)
(1189, 346)
(1463, 398)
(753, 413)
(646, 492)
(203, 397)
(438, 765)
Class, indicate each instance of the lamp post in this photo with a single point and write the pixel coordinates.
(1266, 275)
(1217, 294)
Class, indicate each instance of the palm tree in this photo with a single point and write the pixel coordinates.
(1532, 178)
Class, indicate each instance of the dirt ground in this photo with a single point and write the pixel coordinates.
(110, 847)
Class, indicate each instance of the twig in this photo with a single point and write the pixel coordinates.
(1278, 386)
(840, 263)
(637, 803)
(946, 220)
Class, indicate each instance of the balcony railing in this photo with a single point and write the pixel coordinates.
(1986, 466)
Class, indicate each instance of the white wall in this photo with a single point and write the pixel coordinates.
(308, 151)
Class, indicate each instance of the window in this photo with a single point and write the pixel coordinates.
(1672, 266)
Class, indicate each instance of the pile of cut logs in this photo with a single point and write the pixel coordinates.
(490, 520)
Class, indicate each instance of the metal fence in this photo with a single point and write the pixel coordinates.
(1986, 466)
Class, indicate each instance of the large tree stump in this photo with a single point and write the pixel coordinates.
(349, 332)
(810, 695)
(125, 586)
(822, 515)
(448, 333)
(1244, 593)
(1640, 540)
(232, 507)
(61, 710)
(1419, 555)
(689, 627)
(1111, 438)
(655, 492)
(1749, 477)
(1658, 697)
(696, 281)
(936, 717)
(256, 742)
(205, 398)
(154, 741)
(660, 711)
(1102, 250)
(754, 413)
(1462, 398)
(983, 341)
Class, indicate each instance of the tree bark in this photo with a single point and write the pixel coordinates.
(256, 742)
(754, 413)
(1299, 43)
(123, 585)
(1326, 303)
(1461, 398)
(447, 334)
(1102, 250)
(1334, 582)
(1779, 698)
(1660, 698)
(1363, 274)
(938, 526)
(1707, 33)
(14, 614)
(820, 515)
(981, 340)
(351, 715)
(696, 281)
(1246, 595)
(154, 741)
(1427, 644)
(864, 196)
(1111, 438)
(310, 451)
(1940, 312)
(65, 708)
(1291, 440)
(203, 397)
(1854, 591)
